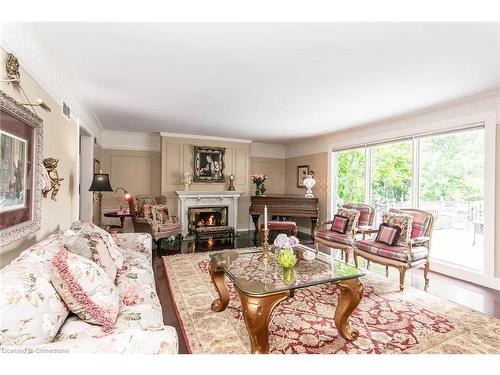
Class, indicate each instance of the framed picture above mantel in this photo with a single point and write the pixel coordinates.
(209, 164)
(21, 146)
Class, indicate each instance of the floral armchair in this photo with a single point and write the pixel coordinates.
(360, 225)
(412, 252)
(152, 216)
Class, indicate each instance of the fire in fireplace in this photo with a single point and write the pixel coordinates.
(206, 217)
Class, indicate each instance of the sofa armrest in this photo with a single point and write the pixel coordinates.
(138, 242)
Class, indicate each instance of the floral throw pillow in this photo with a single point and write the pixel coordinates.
(85, 288)
(352, 215)
(92, 247)
(402, 221)
(159, 214)
(89, 228)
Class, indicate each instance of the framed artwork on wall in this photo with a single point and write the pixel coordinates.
(209, 164)
(302, 173)
(21, 148)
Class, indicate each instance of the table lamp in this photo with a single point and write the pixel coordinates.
(126, 196)
(100, 183)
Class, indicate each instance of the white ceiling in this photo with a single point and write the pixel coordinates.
(271, 82)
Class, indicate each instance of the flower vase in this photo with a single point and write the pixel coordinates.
(288, 275)
(260, 189)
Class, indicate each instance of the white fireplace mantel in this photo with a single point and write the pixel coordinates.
(188, 198)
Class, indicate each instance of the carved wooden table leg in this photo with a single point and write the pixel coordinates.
(217, 276)
(257, 311)
(351, 292)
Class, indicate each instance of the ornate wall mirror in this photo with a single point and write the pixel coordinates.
(21, 148)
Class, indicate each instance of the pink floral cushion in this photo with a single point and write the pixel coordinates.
(89, 228)
(92, 247)
(85, 289)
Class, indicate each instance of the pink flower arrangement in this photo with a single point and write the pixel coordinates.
(282, 241)
(258, 178)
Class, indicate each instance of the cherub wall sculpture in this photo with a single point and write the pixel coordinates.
(50, 165)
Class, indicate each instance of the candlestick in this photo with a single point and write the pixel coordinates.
(266, 255)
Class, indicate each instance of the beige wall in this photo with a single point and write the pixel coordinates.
(136, 171)
(60, 142)
(318, 164)
(177, 156)
(274, 169)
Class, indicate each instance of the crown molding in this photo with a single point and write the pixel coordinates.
(205, 137)
(132, 141)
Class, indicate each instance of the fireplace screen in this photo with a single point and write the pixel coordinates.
(206, 217)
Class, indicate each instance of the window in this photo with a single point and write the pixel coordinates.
(452, 189)
(443, 174)
(350, 182)
(391, 177)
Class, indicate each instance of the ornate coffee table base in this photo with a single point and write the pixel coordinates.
(257, 309)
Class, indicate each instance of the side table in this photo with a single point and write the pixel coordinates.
(121, 215)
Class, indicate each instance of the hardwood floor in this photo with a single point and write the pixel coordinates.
(474, 296)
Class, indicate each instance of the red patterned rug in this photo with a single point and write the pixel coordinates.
(388, 321)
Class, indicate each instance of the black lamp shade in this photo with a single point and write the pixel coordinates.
(100, 183)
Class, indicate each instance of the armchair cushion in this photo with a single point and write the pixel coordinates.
(364, 212)
(421, 221)
(352, 215)
(388, 235)
(340, 223)
(402, 221)
(392, 252)
(331, 236)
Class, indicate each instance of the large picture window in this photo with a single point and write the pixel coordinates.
(350, 182)
(442, 174)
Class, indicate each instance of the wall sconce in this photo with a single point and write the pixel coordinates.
(12, 70)
(38, 103)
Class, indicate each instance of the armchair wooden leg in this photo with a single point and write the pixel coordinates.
(402, 272)
(316, 246)
(367, 264)
(386, 271)
(426, 273)
(346, 256)
(355, 260)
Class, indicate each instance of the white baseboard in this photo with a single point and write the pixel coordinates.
(465, 274)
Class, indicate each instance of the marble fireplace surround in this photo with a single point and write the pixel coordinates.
(188, 199)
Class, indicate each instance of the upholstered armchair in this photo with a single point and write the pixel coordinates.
(152, 217)
(345, 242)
(413, 254)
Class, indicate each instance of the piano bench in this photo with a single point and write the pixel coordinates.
(274, 225)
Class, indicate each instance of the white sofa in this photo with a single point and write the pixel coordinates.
(31, 311)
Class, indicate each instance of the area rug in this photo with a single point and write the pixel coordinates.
(388, 321)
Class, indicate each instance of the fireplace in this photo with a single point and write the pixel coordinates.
(206, 217)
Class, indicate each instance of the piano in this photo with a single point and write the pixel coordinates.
(284, 206)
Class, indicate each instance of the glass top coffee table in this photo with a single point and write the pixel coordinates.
(262, 286)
